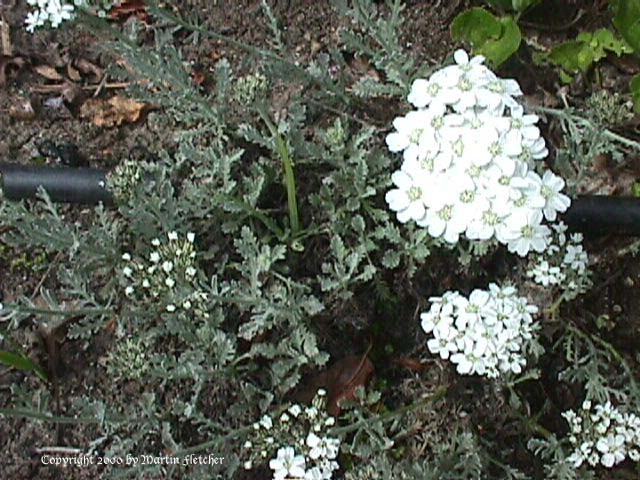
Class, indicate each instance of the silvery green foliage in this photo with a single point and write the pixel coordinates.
(250, 336)
(378, 37)
(196, 379)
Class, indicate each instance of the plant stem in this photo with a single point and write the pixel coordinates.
(59, 313)
(385, 417)
(578, 119)
(287, 163)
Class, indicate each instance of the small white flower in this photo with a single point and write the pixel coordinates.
(295, 410)
(554, 200)
(191, 237)
(171, 308)
(127, 272)
(167, 266)
(266, 422)
(126, 257)
(172, 236)
(154, 257)
(287, 464)
(324, 447)
(407, 199)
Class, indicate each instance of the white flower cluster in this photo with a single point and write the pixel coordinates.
(563, 264)
(602, 435)
(53, 12)
(298, 439)
(168, 274)
(469, 152)
(484, 334)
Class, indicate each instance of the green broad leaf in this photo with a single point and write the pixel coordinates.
(627, 21)
(476, 26)
(522, 5)
(573, 56)
(495, 38)
(634, 86)
(579, 55)
(498, 51)
(23, 363)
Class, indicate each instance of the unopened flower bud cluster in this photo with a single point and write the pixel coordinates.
(564, 264)
(484, 334)
(50, 12)
(124, 179)
(602, 435)
(167, 275)
(469, 151)
(295, 443)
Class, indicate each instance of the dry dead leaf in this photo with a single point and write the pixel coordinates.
(89, 68)
(113, 112)
(411, 364)
(22, 110)
(341, 381)
(48, 72)
(73, 73)
(128, 8)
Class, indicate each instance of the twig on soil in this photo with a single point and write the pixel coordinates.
(57, 88)
(101, 85)
(69, 450)
(5, 37)
(56, 259)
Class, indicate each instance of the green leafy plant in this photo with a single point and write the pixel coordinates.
(23, 363)
(634, 86)
(495, 38)
(579, 55)
(627, 21)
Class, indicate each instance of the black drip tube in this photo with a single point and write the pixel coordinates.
(603, 215)
(63, 184)
(594, 215)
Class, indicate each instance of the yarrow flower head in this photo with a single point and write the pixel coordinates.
(564, 264)
(53, 12)
(484, 334)
(469, 151)
(297, 442)
(167, 275)
(602, 435)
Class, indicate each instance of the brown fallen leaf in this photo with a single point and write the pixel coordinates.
(48, 72)
(73, 73)
(22, 110)
(113, 112)
(341, 381)
(410, 364)
(128, 8)
(89, 68)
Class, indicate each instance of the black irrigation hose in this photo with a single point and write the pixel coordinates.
(596, 215)
(63, 184)
(603, 215)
